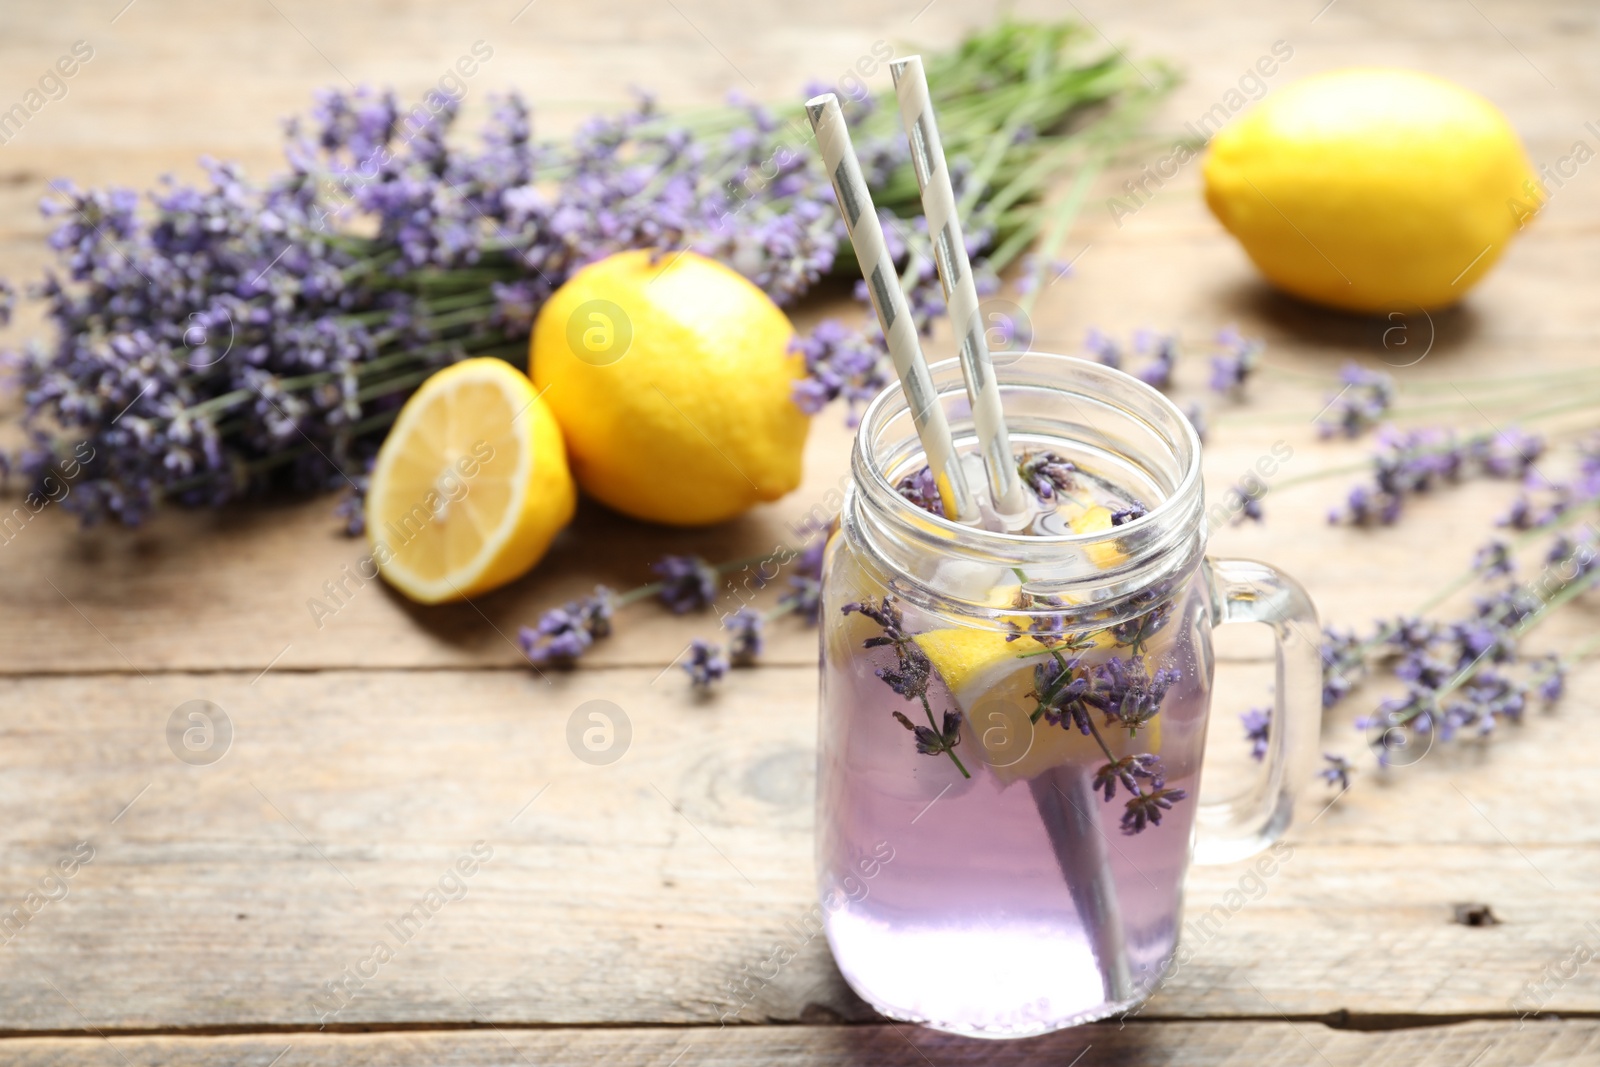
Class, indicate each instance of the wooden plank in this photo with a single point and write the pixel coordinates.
(1221, 1044)
(229, 894)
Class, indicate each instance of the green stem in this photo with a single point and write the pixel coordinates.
(1497, 382)
(1061, 219)
(1572, 656)
(1566, 518)
(1502, 405)
(951, 752)
(651, 589)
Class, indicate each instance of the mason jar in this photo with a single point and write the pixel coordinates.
(1013, 724)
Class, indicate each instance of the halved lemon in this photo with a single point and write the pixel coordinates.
(470, 486)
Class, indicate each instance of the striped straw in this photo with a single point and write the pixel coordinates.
(955, 273)
(889, 301)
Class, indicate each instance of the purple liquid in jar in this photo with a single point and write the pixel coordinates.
(1017, 900)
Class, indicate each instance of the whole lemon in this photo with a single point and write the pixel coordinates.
(671, 377)
(1372, 189)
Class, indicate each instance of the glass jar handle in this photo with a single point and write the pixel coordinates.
(1246, 591)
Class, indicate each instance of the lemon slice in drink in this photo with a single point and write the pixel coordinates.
(1097, 519)
(471, 485)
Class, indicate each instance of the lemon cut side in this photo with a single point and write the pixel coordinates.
(471, 485)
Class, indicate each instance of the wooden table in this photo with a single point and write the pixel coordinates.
(620, 902)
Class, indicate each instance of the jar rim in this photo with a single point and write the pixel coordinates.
(891, 401)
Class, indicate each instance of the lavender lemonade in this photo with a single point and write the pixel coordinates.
(1018, 710)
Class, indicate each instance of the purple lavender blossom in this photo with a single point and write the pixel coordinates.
(910, 677)
(804, 596)
(1553, 681)
(1360, 404)
(1126, 513)
(1103, 348)
(564, 634)
(746, 640)
(1249, 502)
(1493, 560)
(1232, 367)
(229, 342)
(1410, 634)
(1344, 664)
(1046, 474)
(1163, 350)
(1059, 687)
(706, 664)
(1337, 771)
(1482, 702)
(352, 506)
(1510, 453)
(1558, 498)
(1146, 808)
(1127, 692)
(1197, 418)
(928, 742)
(1126, 772)
(1520, 516)
(1257, 730)
(840, 363)
(1408, 463)
(688, 583)
(1137, 631)
(920, 488)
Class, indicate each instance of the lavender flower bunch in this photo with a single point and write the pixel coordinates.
(217, 340)
(235, 337)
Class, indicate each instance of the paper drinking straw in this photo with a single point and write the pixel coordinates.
(889, 301)
(960, 291)
(1066, 800)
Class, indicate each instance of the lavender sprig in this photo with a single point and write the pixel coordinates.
(1337, 771)
(688, 583)
(1126, 693)
(562, 635)
(1409, 463)
(1362, 403)
(1047, 474)
(1232, 367)
(909, 678)
(745, 640)
(706, 664)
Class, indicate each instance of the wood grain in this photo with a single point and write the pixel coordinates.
(1552, 1044)
(229, 894)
